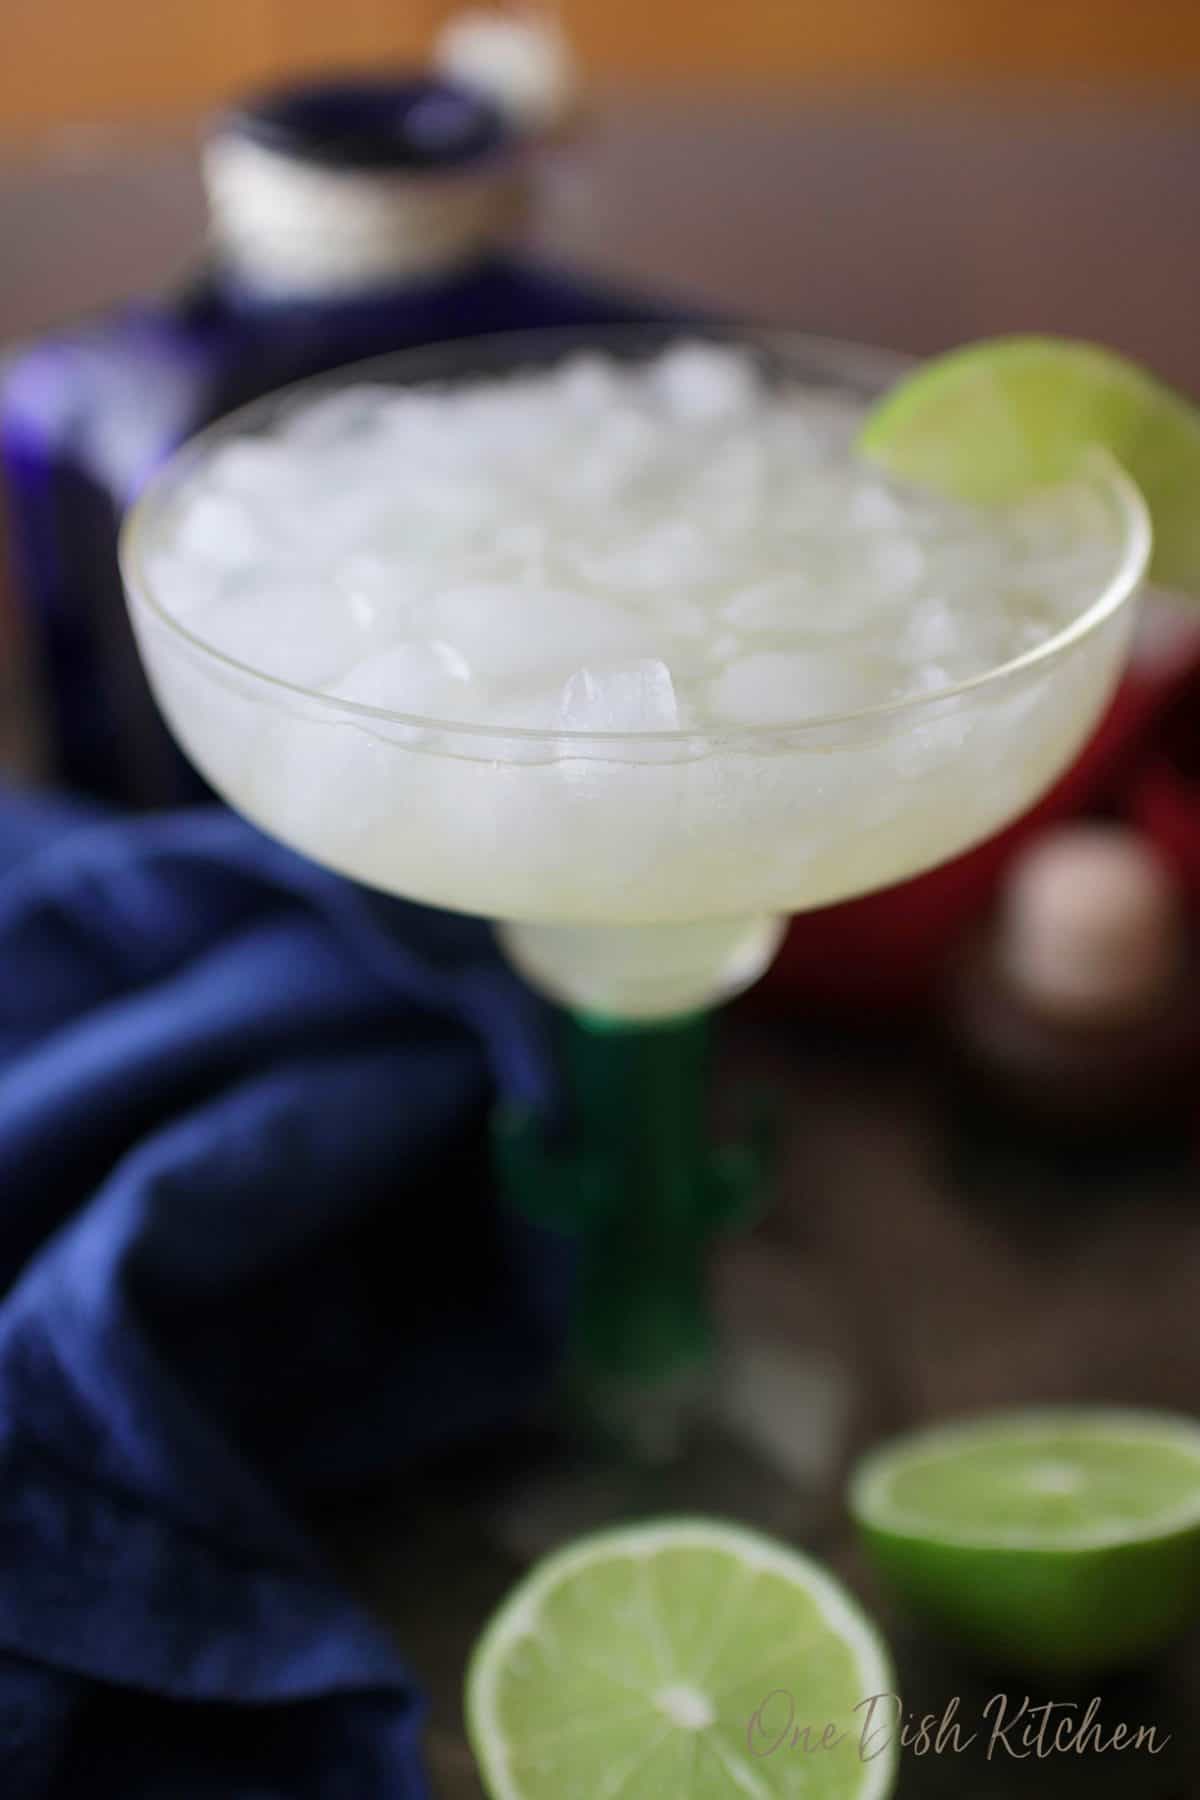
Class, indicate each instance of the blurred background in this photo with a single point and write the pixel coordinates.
(814, 163)
(70, 62)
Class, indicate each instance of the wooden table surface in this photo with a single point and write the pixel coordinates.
(912, 222)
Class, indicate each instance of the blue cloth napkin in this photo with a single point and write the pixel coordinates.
(247, 1256)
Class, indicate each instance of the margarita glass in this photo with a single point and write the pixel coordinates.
(639, 877)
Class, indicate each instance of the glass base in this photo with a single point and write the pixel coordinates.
(660, 1410)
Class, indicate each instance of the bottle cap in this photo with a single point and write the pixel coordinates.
(1091, 927)
(339, 185)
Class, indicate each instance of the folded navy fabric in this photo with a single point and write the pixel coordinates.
(248, 1257)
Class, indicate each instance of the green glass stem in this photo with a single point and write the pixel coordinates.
(637, 1182)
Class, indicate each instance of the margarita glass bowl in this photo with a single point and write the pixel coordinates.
(637, 878)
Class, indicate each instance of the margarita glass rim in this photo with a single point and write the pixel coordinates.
(464, 358)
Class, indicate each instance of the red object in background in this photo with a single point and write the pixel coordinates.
(884, 952)
(1162, 794)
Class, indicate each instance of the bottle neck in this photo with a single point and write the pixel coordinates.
(285, 227)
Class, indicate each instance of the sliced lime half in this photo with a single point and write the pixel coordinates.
(1064, 1540)
(678, 1658)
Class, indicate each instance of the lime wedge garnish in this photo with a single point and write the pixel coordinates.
(667, 1659)
(1064, 1540)
(991, 420)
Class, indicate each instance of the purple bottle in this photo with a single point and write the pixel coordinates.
(347, 220)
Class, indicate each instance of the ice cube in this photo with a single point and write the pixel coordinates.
(221, 530)
(618, 454)
(703, 383)
(1063, 519)
(380, 595)
(258, 469)
(683, 618)
(462, 500)
(522, 545)
(634, 696)
(929, 678)
(589, 383)
(893, 562)
(729, 487)
(786, 687)
(420, 429)
(333, 418)
(874, 507)
(182, 584)
(795, 436)
(671, 554)
(933, 735)
(336, 522)
(429, 679)
(778, 604)
(507, 422)
(1053, 591)
(282, 628)
(936, 633)
(969, 631)
(725, 647)
(518, 633)
(514, 714)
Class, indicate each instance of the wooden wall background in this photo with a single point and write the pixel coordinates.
(84, 60)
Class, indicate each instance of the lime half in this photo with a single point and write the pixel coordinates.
(684, 1657)
(991, 420)
(1063, 1541)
